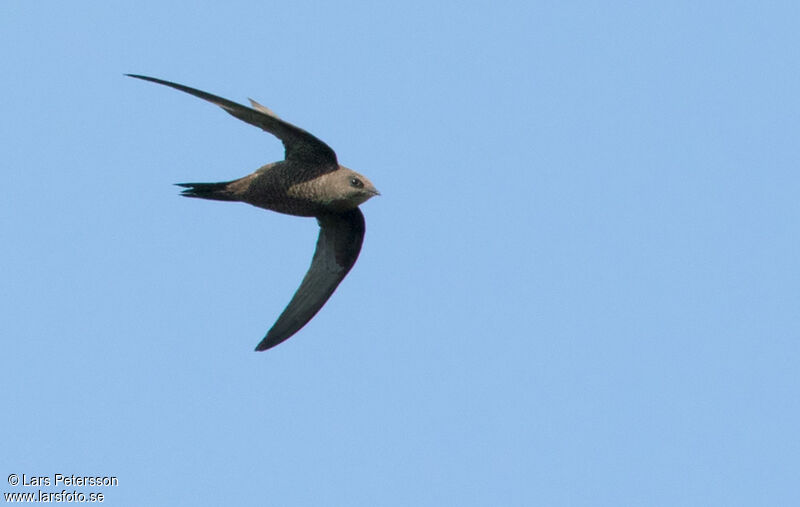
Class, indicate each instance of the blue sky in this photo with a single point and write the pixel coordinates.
(579, 287)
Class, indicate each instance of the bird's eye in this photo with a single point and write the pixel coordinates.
(355, 182)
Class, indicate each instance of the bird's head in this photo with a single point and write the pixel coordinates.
(350, 188)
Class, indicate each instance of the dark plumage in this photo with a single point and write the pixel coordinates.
(308, 182)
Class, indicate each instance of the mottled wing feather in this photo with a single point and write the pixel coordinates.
(299, 144)
(338, 246)
(264, 109)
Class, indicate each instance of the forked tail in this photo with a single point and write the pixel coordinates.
(215, 191)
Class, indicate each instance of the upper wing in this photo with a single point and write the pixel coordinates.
(338, 246)
(299, 144)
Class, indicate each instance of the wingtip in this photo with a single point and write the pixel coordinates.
(148, 78)
(268, 342)
(262, 346)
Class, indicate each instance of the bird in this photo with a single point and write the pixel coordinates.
(309, 182)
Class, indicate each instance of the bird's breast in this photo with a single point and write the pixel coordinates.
(283, 188)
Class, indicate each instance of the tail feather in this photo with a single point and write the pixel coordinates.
(214, 191)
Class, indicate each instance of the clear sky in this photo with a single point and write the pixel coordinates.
(580, 286)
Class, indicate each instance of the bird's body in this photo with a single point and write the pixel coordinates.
(286, 187)
(310, 183)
